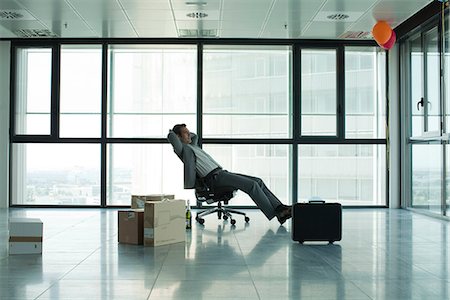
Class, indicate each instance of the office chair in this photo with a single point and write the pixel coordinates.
(205, 193)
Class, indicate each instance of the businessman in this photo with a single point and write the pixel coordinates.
(199, 163)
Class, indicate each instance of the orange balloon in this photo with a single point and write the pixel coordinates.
(381, 32)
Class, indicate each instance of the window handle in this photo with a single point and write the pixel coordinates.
(420, 102)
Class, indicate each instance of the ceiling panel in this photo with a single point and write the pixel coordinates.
(120, 29)
(72, 28)
(9, 4)
(325, 30)
(156, 29)
(150, 14)
(201, 4)
(244, 33)
(348, 5)
(145, 4)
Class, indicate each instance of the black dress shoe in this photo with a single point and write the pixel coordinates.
(283, 213)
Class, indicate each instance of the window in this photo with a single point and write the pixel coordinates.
(319, 100)
(81, 91)
(349, 178)
(365, 108)
(33, 91)
(153, 87)
(248, 98)
(56, 174)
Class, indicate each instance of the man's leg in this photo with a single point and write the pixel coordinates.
(254, 187)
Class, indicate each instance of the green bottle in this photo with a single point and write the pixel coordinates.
(188, 216)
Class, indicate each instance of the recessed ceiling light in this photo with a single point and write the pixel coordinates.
(338, 17)
(197, 15)
(15, 14)
(34, 33)
(192, 3)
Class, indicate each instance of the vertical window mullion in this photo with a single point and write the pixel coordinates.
(55, 92)
(200, 93)
(297, 108)
(340, 99)
(104, 109)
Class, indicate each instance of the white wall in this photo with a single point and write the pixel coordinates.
(4, 122)
(394, 128)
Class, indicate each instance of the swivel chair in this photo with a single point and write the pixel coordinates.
(205, 193)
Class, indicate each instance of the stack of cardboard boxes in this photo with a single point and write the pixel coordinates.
(153, 220)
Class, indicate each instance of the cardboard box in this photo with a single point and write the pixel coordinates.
(131, 226)
(25, 236)
(164, 222)
(138, 201)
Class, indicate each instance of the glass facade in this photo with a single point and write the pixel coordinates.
(245, 117)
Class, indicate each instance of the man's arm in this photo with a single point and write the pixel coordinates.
(175, 141)
(194, 139)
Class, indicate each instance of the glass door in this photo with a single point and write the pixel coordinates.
(425, 149)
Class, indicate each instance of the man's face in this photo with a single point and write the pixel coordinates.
(185, 136)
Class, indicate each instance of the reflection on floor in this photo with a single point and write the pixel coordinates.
(384, 254)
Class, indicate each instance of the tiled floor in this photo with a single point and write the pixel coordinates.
(384, 254)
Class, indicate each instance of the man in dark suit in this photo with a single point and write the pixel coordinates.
(199, 163)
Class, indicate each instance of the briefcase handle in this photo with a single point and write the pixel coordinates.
(316, 201)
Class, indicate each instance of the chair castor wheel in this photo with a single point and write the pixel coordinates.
(247, 219)
(233, 221)
(225, 217)
(200, 220)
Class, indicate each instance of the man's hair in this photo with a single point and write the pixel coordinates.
(177, 128)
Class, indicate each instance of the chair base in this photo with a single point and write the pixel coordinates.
(222, 213)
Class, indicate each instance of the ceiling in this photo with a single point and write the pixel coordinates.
(305, 19)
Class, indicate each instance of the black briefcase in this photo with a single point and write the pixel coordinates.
(317, 221)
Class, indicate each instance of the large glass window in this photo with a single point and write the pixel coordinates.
(151, 89)
(56, 174)
(348, 174)
(426, 176)
(143, 169)
(247, 92)
(365, 105)
(269, 162)
(80, 91)
(319, 93)
(33, 91)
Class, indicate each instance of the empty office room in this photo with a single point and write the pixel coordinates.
(224, 149)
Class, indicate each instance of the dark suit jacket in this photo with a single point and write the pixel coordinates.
(187, 156)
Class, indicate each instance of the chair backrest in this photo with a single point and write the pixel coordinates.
(205, 193)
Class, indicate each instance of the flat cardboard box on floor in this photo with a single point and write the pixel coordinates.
(164, 222)
(25, 236)
(131, 226)
(138, 201)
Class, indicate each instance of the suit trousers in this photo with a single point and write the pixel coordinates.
(253, 186)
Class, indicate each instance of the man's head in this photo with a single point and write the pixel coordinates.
(183, 133)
